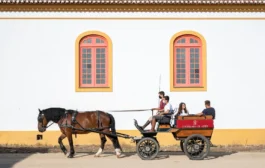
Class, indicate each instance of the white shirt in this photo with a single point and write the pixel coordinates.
(168, 106)
(183, 113)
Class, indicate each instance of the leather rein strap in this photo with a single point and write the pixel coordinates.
(129, 110)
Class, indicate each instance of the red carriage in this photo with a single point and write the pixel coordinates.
(193, 132)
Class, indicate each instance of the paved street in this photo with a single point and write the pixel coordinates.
(131, 160)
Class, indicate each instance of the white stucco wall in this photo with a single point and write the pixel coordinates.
(37, 68)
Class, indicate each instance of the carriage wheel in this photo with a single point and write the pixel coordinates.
(147, 148)
(181, 145)
(196, 147)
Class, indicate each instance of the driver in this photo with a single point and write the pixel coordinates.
(161, 95)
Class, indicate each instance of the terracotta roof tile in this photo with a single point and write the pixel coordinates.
(168, 2)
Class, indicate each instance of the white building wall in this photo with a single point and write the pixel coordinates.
(37, 68)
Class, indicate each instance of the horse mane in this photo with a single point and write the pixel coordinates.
(56, 113)
(53, 114)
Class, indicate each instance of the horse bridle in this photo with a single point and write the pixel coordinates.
(40, 119)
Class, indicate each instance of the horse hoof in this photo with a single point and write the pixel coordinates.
(120, 156)
(70, 156)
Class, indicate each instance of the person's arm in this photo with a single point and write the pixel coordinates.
(201, 113)
(166, 110)
(158, 109)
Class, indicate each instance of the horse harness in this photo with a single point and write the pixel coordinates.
(74, 114)
(40, 119)
(73, 120)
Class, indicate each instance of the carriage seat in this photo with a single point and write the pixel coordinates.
(168, 118)
(165, 120)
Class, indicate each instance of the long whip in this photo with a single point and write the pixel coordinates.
(159, 88)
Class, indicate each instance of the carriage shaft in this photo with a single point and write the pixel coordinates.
(101, 132)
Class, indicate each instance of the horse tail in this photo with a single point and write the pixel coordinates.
(112, 124)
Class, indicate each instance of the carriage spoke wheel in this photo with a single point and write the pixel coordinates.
(196, 147)
(147, 148)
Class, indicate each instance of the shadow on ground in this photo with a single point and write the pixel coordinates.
(211, 155)
(83, 151)
(161, 155)
(7, 159)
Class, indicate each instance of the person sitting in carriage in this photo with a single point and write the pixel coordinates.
(182, 110)
(168, 111)
(160, 109)
(208, 109)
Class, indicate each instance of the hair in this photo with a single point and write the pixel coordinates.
(207, 102)
(166, 98)
(180, 108)
(162, 93)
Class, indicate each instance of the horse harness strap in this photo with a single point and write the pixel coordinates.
(98, 113)
(40, 119)
(74, 114)
(74, 121)
(74, 117)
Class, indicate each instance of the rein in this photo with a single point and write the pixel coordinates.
(49, 125)
(129, 110)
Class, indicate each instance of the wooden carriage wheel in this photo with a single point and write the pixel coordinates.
(147, 148)
(196, 147)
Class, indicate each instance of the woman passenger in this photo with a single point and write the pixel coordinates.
(182, 110)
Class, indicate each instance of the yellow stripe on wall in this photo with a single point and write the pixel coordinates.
(219, 137)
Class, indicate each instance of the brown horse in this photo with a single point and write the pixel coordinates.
(69, 119)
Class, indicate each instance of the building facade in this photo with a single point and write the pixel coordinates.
(116, 55)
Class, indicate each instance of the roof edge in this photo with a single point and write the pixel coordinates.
(131, 8)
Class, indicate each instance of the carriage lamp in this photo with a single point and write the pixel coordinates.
(39, 137)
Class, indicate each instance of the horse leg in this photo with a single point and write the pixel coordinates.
(103, 141)
(71, 144)
(116, 144)
(60, 141)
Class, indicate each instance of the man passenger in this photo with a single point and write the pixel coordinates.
(168, 110)
(208, 110)
(161, 95)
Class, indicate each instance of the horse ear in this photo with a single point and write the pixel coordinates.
(39, 110)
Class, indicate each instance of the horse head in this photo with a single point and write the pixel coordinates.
(42, 121)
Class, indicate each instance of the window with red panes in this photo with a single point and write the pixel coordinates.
(93, 61)
(187, 61)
